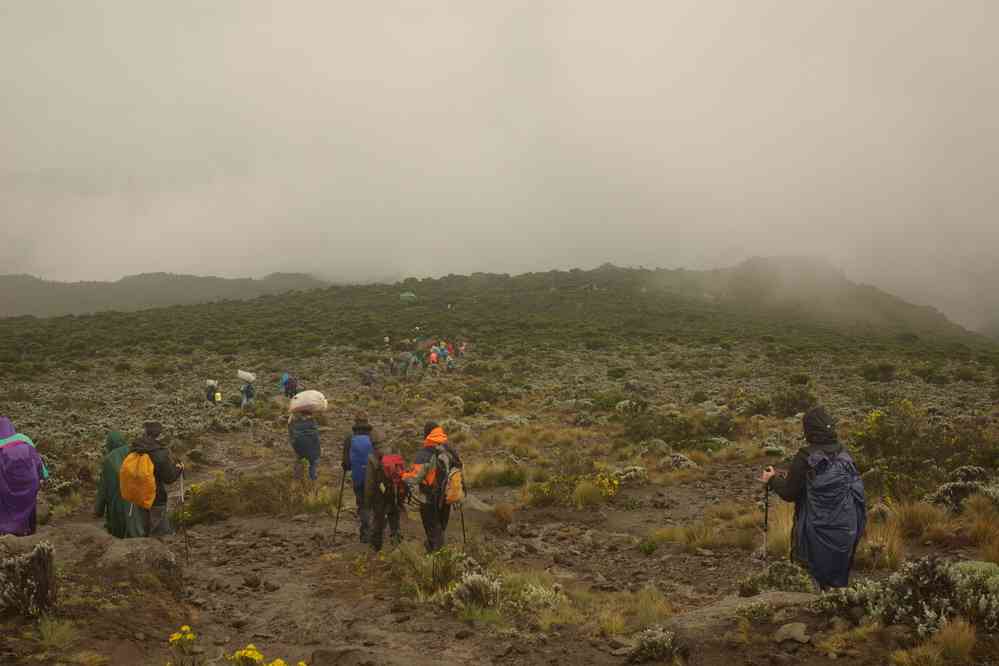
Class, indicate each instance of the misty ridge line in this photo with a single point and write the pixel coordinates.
(781, 286)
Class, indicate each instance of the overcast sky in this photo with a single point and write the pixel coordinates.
(360, 140)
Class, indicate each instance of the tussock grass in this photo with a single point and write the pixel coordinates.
(587, 495)
(781, 520)
(915, 518)
(55, 635)
(251, 495)
(503, 513)
(836, 643)
(882, 548)
(951, 646)
(493, 474)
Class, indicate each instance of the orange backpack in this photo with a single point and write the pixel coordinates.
(137, 480)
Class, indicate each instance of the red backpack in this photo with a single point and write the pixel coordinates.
(392, 467)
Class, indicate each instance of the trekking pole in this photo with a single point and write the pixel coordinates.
(766, 517)
(464, 537)
(339, 503)
(183, 522)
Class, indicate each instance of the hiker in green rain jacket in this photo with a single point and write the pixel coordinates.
(115, 510)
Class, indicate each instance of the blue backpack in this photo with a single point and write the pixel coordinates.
(360, 449)
(831, 518)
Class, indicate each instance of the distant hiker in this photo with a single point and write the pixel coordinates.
(213, 392)
(830, 511)
(119, 520)
(384, 493)
(21, 474)
(431, 479)
(143, 477)
(357, 446)
(290, 385)
(462, 349)
(451, 364)
(248, 393)
(450, 349)
(303, 433)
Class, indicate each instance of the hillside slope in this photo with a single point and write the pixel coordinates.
(596, 309)
(22, 295)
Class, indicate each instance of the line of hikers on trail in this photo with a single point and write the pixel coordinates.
(427, 354)
(823, 482)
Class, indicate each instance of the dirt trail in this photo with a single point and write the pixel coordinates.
(286, 583)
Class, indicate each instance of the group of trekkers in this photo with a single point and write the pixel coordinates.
(427, 354)
(822, 480)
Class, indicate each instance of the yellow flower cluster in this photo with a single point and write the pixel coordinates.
(609, 485)
(250, 656)
(182, 638)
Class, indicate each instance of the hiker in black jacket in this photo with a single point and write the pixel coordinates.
(830, 511)
(166, 472)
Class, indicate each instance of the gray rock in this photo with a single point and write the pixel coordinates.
(711, 623)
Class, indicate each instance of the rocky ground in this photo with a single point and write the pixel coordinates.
(287, 584)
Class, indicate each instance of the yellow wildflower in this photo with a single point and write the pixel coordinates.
(189, 637)
(186, 629)
(175, 638)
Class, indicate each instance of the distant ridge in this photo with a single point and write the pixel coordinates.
(22, 295)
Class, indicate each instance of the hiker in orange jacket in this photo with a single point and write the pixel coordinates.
(423, 479)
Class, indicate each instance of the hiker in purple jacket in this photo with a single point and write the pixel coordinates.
(20, 476)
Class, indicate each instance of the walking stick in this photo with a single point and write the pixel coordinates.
(339, 503)
(464, 537)
(183, 522)
(766, 517)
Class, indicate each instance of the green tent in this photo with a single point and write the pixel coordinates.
(407, 297)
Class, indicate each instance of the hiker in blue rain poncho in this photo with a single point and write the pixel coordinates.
(830, 510)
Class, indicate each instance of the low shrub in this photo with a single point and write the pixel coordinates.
(924, 594)
(782, 576)
(793, 400)
(878, 372)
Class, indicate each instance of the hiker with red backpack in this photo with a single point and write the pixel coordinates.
(435, 481)
(384, 493)
(144, 475)
(357, 446)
